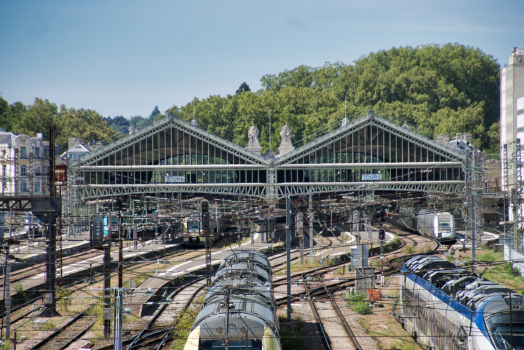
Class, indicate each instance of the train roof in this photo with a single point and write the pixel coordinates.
(243, 270)
(458, 285)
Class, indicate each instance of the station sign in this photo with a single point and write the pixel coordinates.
(371, 177)
(61, 175)
(179, 179)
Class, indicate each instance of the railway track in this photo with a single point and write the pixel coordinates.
(154, 336)
(22, 273)
(68, 333)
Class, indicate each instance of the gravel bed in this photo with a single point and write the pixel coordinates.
(365, 341)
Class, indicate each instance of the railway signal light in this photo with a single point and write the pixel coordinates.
(381, 234)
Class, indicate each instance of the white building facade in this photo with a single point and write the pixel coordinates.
(24, 165)
(511, 111)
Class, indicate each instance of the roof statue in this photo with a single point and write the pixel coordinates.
(253, 145)
(285, 144)
(406, 126)
(194, 122)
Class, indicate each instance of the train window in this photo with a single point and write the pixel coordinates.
(193, 227)
(499, 330)
(219, 345)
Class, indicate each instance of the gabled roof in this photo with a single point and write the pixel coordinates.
(369, 119)
(79, 148)
(162, 124)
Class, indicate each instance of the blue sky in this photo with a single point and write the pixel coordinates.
(125, 57)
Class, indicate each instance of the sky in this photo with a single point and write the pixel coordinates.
(124, 57)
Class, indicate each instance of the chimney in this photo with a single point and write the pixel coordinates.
(439, 139)
(40, 136)
(467, 136)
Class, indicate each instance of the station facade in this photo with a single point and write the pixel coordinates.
(173, 156)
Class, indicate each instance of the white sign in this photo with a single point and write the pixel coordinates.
(371, 177)
(175, 178)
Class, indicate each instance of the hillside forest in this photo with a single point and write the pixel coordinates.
(435, 89)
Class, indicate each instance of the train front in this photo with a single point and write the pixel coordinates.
(444, 227)
(192, 232)
(239, 310)
(245, 322)
(501, 322)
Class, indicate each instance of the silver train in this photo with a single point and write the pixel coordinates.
(434, 225)
(448, 307)
(239, 310)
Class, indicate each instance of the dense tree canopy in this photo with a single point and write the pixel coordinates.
(36, 118)
(435, 89)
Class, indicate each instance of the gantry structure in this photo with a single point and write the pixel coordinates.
(173, 156)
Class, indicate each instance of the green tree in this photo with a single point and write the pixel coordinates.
(243, 88)
(154, 113)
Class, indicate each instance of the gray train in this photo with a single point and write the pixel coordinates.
(239, 310)
(434, 225)
(448, 307)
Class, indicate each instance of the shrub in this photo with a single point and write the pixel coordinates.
(487, 257)
(49, 326)
(20, 293)
(357, 301)
(409, 249)
(514, 271)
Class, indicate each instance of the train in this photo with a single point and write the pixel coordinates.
(195, 226)
(239, 310)
(435, 225)
(445, 306)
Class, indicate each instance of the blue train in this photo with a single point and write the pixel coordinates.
(239, 311)
(447, 307)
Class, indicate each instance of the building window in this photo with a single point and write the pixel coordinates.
(23, 152)
(4, 170)
(23, 171)
(23, 186)
(37, 186)
(37, 152)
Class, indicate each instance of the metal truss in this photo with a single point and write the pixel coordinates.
(361, 123)
(251, 190)
(261, 190)
(422, 186)
(16, 203)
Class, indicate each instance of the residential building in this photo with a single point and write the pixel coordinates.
(24, 164)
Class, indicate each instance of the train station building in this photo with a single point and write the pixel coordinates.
(172, 156)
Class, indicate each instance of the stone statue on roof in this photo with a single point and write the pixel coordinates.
(252, 134)
(285, 143)
(253, 145)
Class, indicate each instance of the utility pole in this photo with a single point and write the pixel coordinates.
(7, 294)
(50, 283)
(107, 280)
(311, 227)
(117, 341)
(288, 253)
(120, 248)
